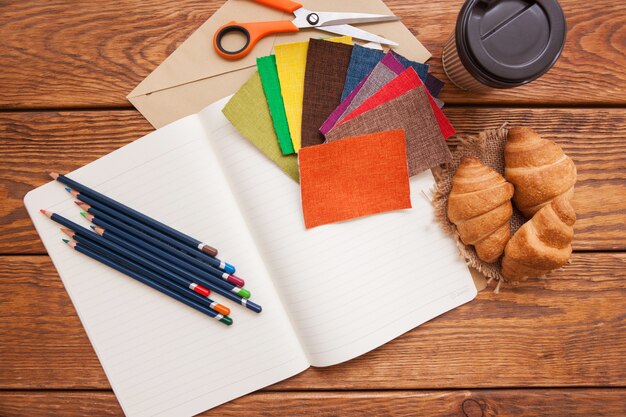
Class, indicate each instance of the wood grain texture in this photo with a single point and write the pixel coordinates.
(569, 330)
(57, 54)
(35, 141)
(476, 403)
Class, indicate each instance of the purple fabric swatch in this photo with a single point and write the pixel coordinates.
(390, 61)
(434, 85)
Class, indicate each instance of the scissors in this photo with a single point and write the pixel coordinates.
(337, 23)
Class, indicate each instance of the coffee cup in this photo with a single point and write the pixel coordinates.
(504, 43)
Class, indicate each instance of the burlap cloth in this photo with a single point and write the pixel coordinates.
(488, 146)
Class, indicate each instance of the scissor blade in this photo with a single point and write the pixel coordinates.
(347, 30)
(309, 19)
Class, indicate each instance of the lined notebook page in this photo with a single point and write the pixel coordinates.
(348, 287)
(162, 357)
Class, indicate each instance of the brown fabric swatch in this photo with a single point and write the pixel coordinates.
(326, 68)
(488, 146)
(411, 112)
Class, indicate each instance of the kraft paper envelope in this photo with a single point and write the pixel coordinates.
(195, 76)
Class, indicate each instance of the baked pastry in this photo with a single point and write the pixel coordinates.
(542, 244)
(538, 168)
(479, 205)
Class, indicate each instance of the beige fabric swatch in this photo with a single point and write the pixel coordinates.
(248, 111)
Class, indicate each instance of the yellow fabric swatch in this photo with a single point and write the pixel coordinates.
(248, 111)
(291, 64)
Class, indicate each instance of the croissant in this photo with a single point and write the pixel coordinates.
(538, 168)
(543, 243)
(480, 206)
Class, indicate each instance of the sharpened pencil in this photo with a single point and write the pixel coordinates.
(149, 274)
(141, 278)
(152, 262)
(173, 263)
(159, 238)
(125, 227)
(88, 234)
(140, 217)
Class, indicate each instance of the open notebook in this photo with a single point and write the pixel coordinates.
(329, 294)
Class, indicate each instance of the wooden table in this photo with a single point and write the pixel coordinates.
(545, 347)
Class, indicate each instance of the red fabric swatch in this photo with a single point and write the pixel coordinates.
(400, 85)
(354, 177)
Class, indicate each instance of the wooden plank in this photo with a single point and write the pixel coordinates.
(462, 403)
(35, 141)
(569, 330)
(98, 52)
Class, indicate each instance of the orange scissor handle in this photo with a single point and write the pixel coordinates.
(284, 5)
(254, 32)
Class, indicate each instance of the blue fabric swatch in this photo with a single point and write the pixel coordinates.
(363, 61)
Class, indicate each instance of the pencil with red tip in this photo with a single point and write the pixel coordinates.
(165, 252)
(86, 233)
(100, 257)
(134, 214)
(173, 269)
(125, 261)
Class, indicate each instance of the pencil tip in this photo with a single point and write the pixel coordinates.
(42, 211)
(65, 240)
(92, 227)
(68, 189)
(84, 214)
(68, 232)
(53, 174)
(46, 213)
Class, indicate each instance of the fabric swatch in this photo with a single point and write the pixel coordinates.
(291, 65)
(271, 86)
(411, 112)
(434, 85)
(248, 111)
(326, 67)
(363, 61)
(420, 69)
(404, 82)
(386, 70)
(354, 177)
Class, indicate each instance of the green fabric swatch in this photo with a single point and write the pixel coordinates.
(248, 111)
(271, 85)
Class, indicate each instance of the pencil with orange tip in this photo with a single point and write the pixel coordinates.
(100, 257)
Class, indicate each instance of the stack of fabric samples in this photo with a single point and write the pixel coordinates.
(350, 123)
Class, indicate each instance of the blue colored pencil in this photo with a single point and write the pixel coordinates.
(149, 243)
(133, 274)
(152, 262)
(142, 230)
(109, 217)
(139, 247)
(88, 234)
(115, 257)
(110, 225)
(134, 214)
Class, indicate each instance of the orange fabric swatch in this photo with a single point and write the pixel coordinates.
(354, 177)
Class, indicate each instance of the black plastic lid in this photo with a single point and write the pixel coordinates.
(505, 43)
